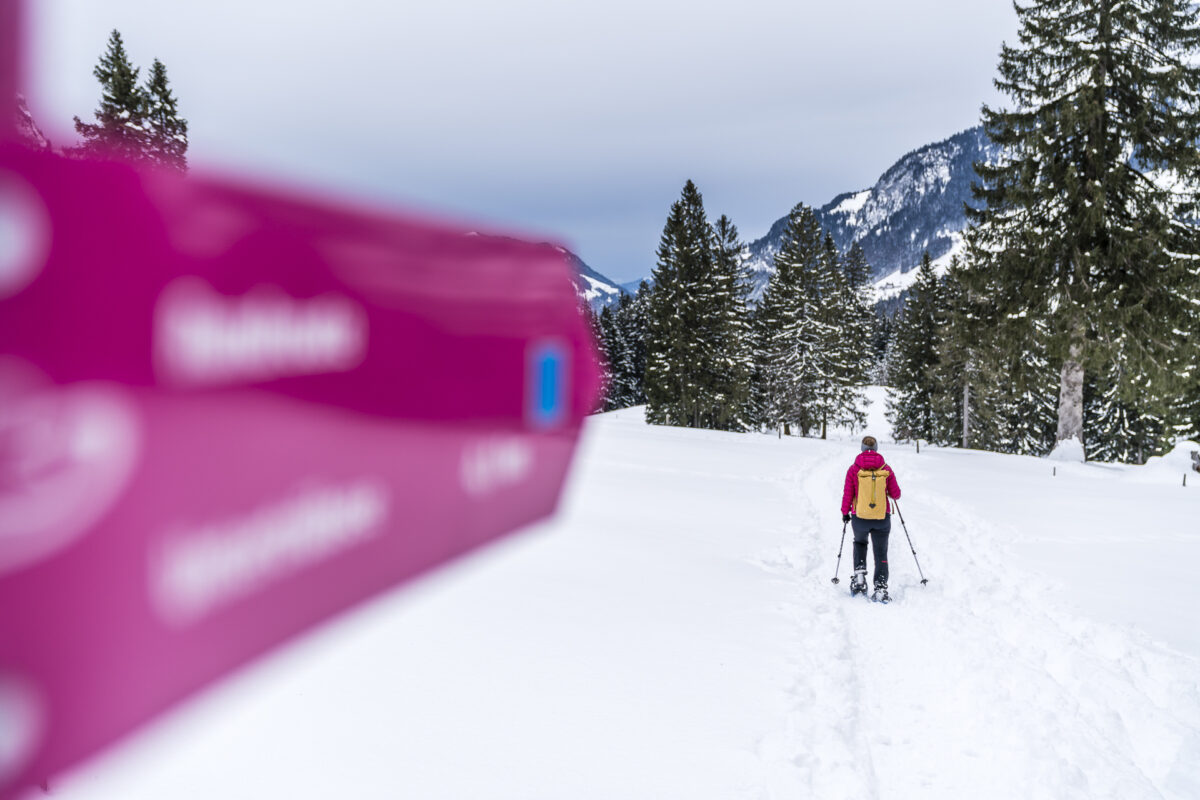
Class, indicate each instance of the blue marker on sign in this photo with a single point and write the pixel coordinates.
(546, 393)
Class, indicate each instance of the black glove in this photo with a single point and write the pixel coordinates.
(845, 517)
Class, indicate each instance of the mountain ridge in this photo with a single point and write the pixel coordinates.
(917, 205)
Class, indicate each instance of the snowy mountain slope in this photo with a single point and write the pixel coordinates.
(597, 290)
(675, 634)
(916, 205)
(895, 283)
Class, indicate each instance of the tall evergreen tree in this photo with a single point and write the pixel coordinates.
(593, 323)
(167, 141)
(1186, 416)
(788, 333)
(842, 358)
(680, 347)
(665, 329)
(1026, 395)
(964, 384)
(613, 345)
(856, 323)
(1088, 216)
(881, 344)
(912, 410)
(120, 127)
(858, 271)
(1015, 382)
(633, 320)
(1121, 429)
(733, 360)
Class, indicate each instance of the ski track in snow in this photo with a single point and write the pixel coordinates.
(1034, 702)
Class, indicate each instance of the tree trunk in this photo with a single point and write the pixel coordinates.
(966, 414)
(1070, 397)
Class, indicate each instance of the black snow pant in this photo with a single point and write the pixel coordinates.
(878, 529)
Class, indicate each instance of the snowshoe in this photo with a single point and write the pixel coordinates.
(880, 595)
(858, 583)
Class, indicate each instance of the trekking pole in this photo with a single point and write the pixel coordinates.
(840, 546)
(924, 580)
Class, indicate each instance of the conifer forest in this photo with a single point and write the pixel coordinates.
(1072, 311)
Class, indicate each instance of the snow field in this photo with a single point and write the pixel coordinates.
(674, 633)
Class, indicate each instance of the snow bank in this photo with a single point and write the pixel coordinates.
(1068, 450)
(1170, 468)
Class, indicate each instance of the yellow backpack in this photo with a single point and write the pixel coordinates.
(871, 502)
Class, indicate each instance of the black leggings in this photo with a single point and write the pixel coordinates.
(878, 529)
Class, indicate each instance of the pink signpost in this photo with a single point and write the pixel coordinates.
(227, 413)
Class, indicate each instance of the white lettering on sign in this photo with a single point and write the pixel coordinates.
(495, 464)
(202, 337)
(200, 569)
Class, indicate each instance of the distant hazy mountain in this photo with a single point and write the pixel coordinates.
(917, 205)
(27, 129)
(593, 287)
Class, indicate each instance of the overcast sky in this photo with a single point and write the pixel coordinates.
(571, 121)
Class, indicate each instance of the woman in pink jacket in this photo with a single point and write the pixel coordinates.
(869, 484)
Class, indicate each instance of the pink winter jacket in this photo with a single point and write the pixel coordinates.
(868, 459)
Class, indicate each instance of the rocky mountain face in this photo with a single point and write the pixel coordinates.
(916, 205)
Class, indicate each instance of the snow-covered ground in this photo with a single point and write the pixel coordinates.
(675, 634)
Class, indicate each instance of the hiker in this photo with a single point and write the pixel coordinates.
(869, 484)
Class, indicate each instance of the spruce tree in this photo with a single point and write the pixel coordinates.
(1186, 416)
(665, 330)
(120, 129)
(841, 360)
(167, 141)
(858, 271)
(633, 321)
(1183, 416)
(1088, 218)
(614, 353)
(734, 361)
(1121, 430)
(680, 347)
(881, 344)
(1011, 392)
(963, 384)
(593, 323)
(854, 321)
(788, 333)
(1026, 398)
(911, 410)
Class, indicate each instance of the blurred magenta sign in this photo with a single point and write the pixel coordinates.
(227, 413)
